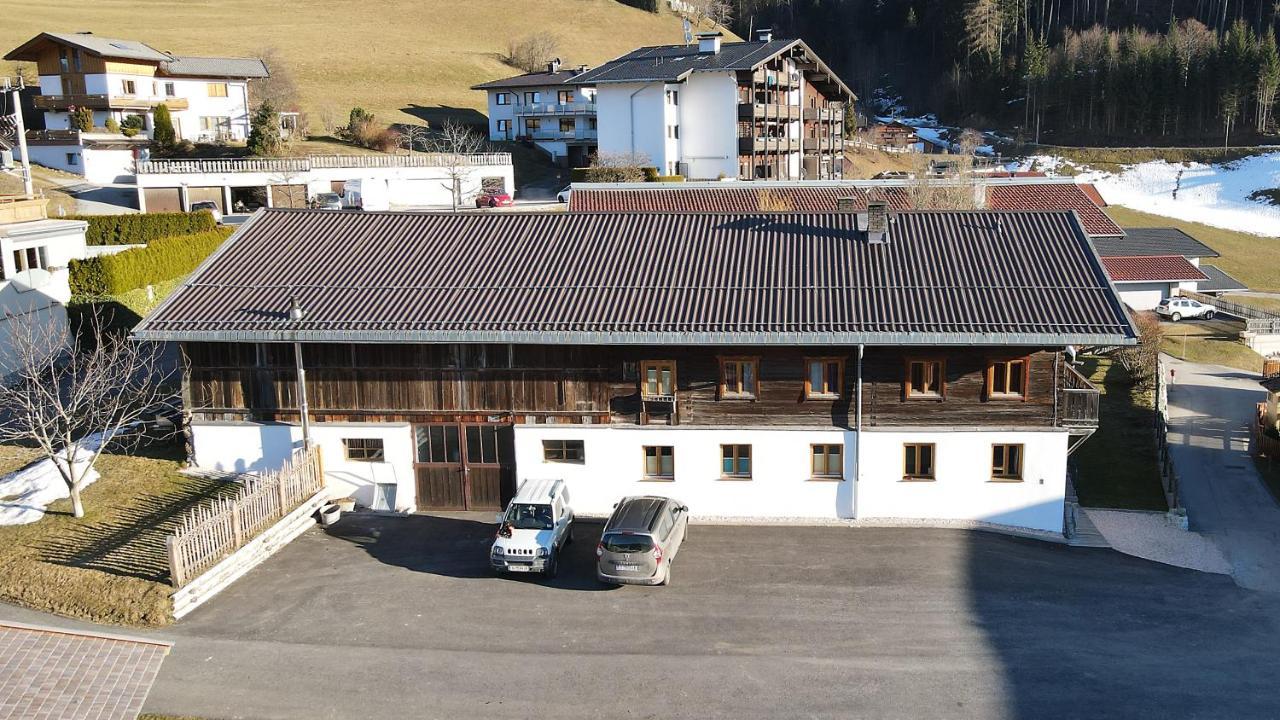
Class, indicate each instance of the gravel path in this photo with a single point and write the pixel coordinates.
(1149, 536)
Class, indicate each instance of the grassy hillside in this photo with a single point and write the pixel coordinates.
(398, 58)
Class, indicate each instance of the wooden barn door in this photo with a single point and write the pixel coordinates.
(464, 466)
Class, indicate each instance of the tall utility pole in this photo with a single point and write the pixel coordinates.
(295, 316)
(20, 130)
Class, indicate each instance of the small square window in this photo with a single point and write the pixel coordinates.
(216, 89)
(363, 449)
(567, 125)
(563, 451)
(827, 462)
(501, 98)
(73, 158)
(824, 377)
(659, 462)
(739, 378)
(735, 462)
(658, 379)
(925, 379)
(1006, 462)
(1007, 379)
(917, 461)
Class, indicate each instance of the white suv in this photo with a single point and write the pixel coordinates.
(536, 526)
(1176, 308)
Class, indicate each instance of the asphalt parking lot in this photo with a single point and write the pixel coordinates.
(400, 616)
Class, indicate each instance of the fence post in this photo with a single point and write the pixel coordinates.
(282, 491)
(176, 572)
(236, 528)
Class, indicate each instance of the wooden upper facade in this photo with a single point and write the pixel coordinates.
(640, 385)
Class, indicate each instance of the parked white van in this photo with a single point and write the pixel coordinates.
(366, 194)
(537, 524)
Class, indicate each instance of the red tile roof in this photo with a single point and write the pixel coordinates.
(732, 199)
(1151, 268)
(1055, 196)
(1093, 194)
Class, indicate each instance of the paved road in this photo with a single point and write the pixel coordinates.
(398, 617)
(1210, 408)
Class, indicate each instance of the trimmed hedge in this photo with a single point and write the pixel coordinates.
(162, 259)
(142, 228)
(632, 173)
(670, 178)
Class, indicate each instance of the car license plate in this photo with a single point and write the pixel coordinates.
(627, 566)
(518, 568)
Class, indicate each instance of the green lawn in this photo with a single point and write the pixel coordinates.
(1118, 466)
(1262, 302)
(1215, 342)
(109, 566)
(1251, 259)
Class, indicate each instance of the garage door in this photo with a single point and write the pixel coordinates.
(162, 200)
(206, 194)
(1142, 296)
(464, 466)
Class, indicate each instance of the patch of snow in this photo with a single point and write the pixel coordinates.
(29, 491)
(1216, 195)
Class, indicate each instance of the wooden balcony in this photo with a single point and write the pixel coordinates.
(761, 144)
(1078, 400)
(19, 208)
(827, 114)
(765, 111)
(107, 102)
(775, 78)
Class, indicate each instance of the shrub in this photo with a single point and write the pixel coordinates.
(82, 119)
(163, 135)
(264, 131)
(132, 125)
(531, 53)
(164, 259)
(650, 174)
(669, 178)
(112, 125)
(142, 228)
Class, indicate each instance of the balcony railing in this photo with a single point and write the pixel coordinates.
(107, 102)
(581, 108)
(832, 114)
(568, 135)
(776, 78)
(1079, 400)
(303, 164)
(768, 111)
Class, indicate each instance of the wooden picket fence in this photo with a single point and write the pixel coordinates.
(211, 531)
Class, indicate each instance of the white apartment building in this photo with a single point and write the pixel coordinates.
(549, 109)
(207, 97)
(762, 109)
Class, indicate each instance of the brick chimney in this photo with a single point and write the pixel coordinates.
(847, 205)
(709, 43)
(877, 222)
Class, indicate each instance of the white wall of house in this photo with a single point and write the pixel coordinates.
(255, 447)
(617, 104)
(1145, 296)
(406, 186)
(98, 165)
(613, 468)
(708, 125)
(963, 488)
(36, 296)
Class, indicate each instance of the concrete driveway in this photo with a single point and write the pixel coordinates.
(393, 617)
(1210, 409)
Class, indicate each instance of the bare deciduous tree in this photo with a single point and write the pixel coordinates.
(72, 399)
(719, 12)
(618, 167)
(531, 53)
(454, 142)
(414, 137)
(1142, 360)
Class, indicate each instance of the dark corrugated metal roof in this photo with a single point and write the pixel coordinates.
(1152, 241)
(533, 79)
(1218, 281)
(808, 278)
(1151, 268)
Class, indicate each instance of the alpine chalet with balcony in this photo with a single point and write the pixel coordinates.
(207, 97)
(548, 109)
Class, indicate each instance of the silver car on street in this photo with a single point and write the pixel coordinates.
(641, 540)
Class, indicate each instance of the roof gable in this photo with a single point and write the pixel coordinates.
(93, 44)
(1054, 196)
(805, 278)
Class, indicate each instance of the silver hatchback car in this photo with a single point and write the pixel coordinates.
(641, 540)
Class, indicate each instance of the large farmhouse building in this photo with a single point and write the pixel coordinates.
(826, 365)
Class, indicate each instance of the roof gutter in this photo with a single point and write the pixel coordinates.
(581, 337)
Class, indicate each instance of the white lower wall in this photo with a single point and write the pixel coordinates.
(614, 466)
(254, 447)
(97, 165)
(962, 488)
(780, 487)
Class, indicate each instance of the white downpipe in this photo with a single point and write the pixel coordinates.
(857, 437)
